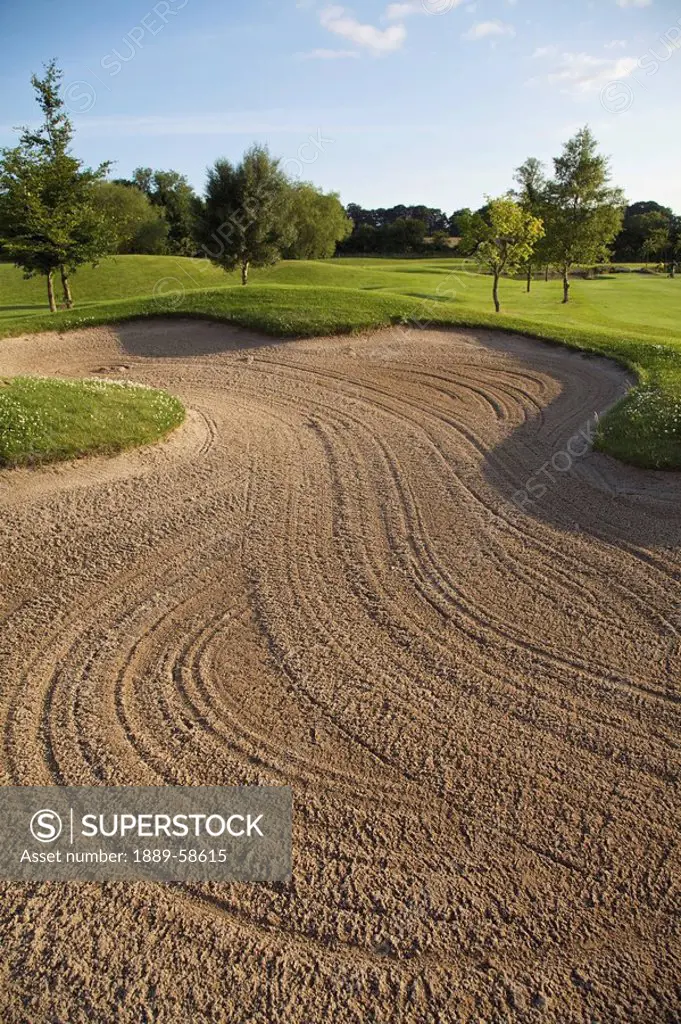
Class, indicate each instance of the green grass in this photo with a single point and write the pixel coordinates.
(632, 318)
(45, 419)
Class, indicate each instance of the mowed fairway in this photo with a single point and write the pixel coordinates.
(321, 580)
(636, 304)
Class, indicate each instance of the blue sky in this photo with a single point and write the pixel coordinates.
(432, 101)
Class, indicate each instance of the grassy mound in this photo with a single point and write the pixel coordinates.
(45, 419)
(632, 318)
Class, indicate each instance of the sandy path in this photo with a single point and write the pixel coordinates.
(322, 580)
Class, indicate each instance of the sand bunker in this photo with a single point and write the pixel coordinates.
(323, 579)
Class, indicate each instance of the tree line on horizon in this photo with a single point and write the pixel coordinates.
(57, 215)
(647, 232)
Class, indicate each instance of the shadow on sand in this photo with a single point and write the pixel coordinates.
(546, 469)
(182, 338)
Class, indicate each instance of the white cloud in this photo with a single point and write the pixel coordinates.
(545, 51)
(375, 40)
(396, 12)
(616, 44)
(399, 11)
(582, 73)
(485, 29)
(634, 3)
(329, 54)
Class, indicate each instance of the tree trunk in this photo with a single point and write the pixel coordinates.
(50, 293)
(566, 285)
(546, 273)
(672, 268)
(68, 301)
(244, 272)
(495, 293)
(529, 277)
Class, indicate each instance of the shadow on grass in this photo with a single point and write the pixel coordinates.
(33, 307)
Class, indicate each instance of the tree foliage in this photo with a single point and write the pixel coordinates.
(397, 229)
(503, 239)
(318, 222)
(636, 224)
(48, 220)
(135, 224)
(173, 195)
(244, 222)
(530, 179)
(583, 211)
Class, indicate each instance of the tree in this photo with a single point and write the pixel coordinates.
(628, 245)
(655, 229)
(458, 221)
(440, 241)
(244, 221)
(48, 220)
(531, 182)
(674, 250)
(318, 222)
(583, 211)
(364, 239)
(404, 238)
(135, 225)
(503, 239)
(172, 193)
(404, 235)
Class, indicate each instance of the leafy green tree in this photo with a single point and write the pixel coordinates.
(405, 235)
(674, 249)
(244, 221)
(531, 194)
(318, 221)
(172, 193)
(503, 239)
(364, 239)
(135, 225)
(655, 230)
(655, 244)
(458, 221)
(628, 245)
(440, 240)
(583, 211)
(48, 220)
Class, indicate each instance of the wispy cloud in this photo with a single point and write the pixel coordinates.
(634, 3)
(582, 73)
(487, 29)
(375, 40)
(329, 54)
(616, 44)
(248, 123)
(399, 11)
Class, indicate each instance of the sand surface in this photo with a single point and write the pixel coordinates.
(322, 579)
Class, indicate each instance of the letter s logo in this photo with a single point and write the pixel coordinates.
(46, 826)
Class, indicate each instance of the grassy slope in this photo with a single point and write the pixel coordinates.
(42, 419)
(636, 319)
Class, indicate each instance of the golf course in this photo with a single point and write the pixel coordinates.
(340, 516)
